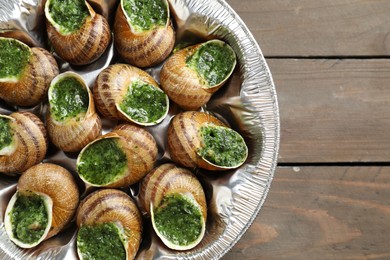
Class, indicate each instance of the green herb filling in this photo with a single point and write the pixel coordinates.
(69, 14)
(213, 62)
(69, 99)
(222, 146)
(14, 57)
(102, 162)
(144, 103)
(29, 218)
(178, 220)
(6, 133)
(146, 14)
(101, 241)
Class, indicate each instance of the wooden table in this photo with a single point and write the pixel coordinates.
(330, 197)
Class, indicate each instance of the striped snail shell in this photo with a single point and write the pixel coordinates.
(80, 123)
(110, 206)
(46, 200)
(197, 139)
(143, 47)
(23, 142)
(117, 83)
(79, 43)
(159, 190)
(191, 75)
(119, 158)
(25, 78)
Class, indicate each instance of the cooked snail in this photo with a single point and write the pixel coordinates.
(125, 92)
(197, 139)
(25, 73)
(45, 201)
(143, 33)
(110, 226)
(77, 34)
(191, 75)
(72, 121)
(176, 202)
(23, 142)
(119, 158)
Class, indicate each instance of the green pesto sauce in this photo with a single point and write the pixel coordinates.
(101, 241)
(69, 99)
(6, 133)
(178, 220)
(14, 57)
(102, 162)
(213, 62)
(143, 102)
(222, 146)
(29, 218)
(146, 14)
(69, 14)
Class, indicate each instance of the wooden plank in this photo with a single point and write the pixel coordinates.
(322, 213)
(318, 28)
(333, 110)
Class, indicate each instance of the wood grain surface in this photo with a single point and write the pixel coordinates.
(322, 213)
(318, 27)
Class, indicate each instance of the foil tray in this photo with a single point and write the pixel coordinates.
(248, 103)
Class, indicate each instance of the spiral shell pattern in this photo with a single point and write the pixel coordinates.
(144, 49)
(56, 182)
(30, 140)
(109, 205)
(184, 140)
(85, 45)
(73, 135)
(32, 86)
(111, 85)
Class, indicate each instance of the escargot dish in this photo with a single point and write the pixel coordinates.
(45, 201)
(110, 226)
(77, 34)
(72, 121)
(175, 200)
(143, 33)
(23, 142)
(25, 73)
(125, 92)
(197, 139)
(191, 75)
(119, 158)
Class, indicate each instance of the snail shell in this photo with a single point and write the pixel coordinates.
(142, 49)
(111, 87)
(73, 134)
(29, 143)
(183, 84)
(109, 205)
(166, 180)
(31, 86)
(84, 45)
(139, 148)
(59, 191)
(185, 140)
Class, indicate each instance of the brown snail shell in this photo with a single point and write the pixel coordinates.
(84, 45)
(73, 134)
(140, 149)
(184, 140)
(183, 84)
(29, 145)
(109, 205)
(57, 186)
(168, 179)
(142, 49)
(110, 87)
(31, 87)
